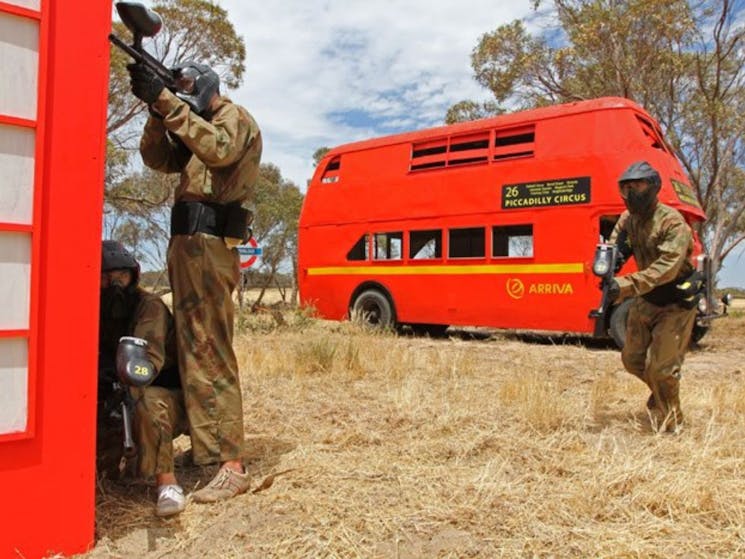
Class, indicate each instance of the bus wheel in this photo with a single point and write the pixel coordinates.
(618, 322)
(699, 331)
(373, 308)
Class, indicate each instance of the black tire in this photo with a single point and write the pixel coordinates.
(373, 308)
(617, 326)
(699, 331)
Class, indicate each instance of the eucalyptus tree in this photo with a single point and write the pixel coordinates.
(684, 62)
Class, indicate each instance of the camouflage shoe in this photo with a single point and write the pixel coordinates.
(226, 484)
(170, 500)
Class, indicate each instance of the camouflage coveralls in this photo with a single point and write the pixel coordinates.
(159, 409)
(203, 269)
(657, 335)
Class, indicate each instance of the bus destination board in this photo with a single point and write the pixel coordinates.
(558, 192)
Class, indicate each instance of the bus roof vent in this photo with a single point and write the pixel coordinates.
(431, 154)
(331, 174)
(514, 142)
(449, 152)
(472, 148)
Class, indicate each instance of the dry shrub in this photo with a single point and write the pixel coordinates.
(535, 398)
(317, 355)
(728, 398)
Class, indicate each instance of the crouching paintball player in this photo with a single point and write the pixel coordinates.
(141, 404)
(665, 289)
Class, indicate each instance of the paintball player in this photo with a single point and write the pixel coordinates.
(159, 416)
(665, 290)
(216, 147)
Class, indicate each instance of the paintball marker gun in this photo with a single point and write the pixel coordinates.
(605, 265)
(142, 22)
(132, 369)
(116, 408)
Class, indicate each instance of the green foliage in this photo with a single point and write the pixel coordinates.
(277, 203)
(471, 110)
(685, 64)
(319, 154)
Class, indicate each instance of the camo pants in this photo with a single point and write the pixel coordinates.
(656, 342)
(159, 418)
(203, 274)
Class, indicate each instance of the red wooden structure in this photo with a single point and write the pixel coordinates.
(54, 59)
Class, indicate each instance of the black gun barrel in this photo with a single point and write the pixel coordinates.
(143, 57)
(130, 449)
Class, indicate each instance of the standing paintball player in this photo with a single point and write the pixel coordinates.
(216, 147)
(665, 290)
(145, 365)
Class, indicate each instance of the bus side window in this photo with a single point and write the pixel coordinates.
(331, 174)
(388, 246)
(512, 241)
(467, 243)
(360, 249)
(650, 134)
(424, 245)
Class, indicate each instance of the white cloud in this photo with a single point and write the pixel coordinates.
(401, 63)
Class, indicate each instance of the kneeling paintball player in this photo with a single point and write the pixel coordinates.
(138, 373)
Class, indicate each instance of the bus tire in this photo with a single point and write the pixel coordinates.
(698, 332)
(373, 308)
(617, 326)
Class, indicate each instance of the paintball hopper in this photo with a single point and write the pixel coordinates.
(141, 21)
(132, 364)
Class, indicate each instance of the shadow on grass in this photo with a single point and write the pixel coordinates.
(126, 505)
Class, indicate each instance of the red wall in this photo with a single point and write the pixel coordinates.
(47, 500)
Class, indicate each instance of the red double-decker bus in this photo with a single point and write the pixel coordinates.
(486, 223)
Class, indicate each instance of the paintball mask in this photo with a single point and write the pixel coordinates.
(196, 84)
(640, 202)
(116, 298)
(115, 257)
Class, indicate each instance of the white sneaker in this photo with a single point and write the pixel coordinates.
(171, 500)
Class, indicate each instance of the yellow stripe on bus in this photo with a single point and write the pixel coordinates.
(568, 268)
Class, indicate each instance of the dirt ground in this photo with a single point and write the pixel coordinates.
(472, 445)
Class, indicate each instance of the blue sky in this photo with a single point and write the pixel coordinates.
(328, 72)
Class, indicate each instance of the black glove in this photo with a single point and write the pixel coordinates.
(620, 261)
(146, 85)
(614, 290)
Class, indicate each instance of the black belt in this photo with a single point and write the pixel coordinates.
(675, 292)
(220, 220)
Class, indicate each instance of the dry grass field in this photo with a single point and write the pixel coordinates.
(468, 446)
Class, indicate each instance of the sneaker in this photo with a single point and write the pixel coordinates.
(226, 484)
(171, 500)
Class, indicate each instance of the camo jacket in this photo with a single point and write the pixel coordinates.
(226, 150)
(662, 244)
